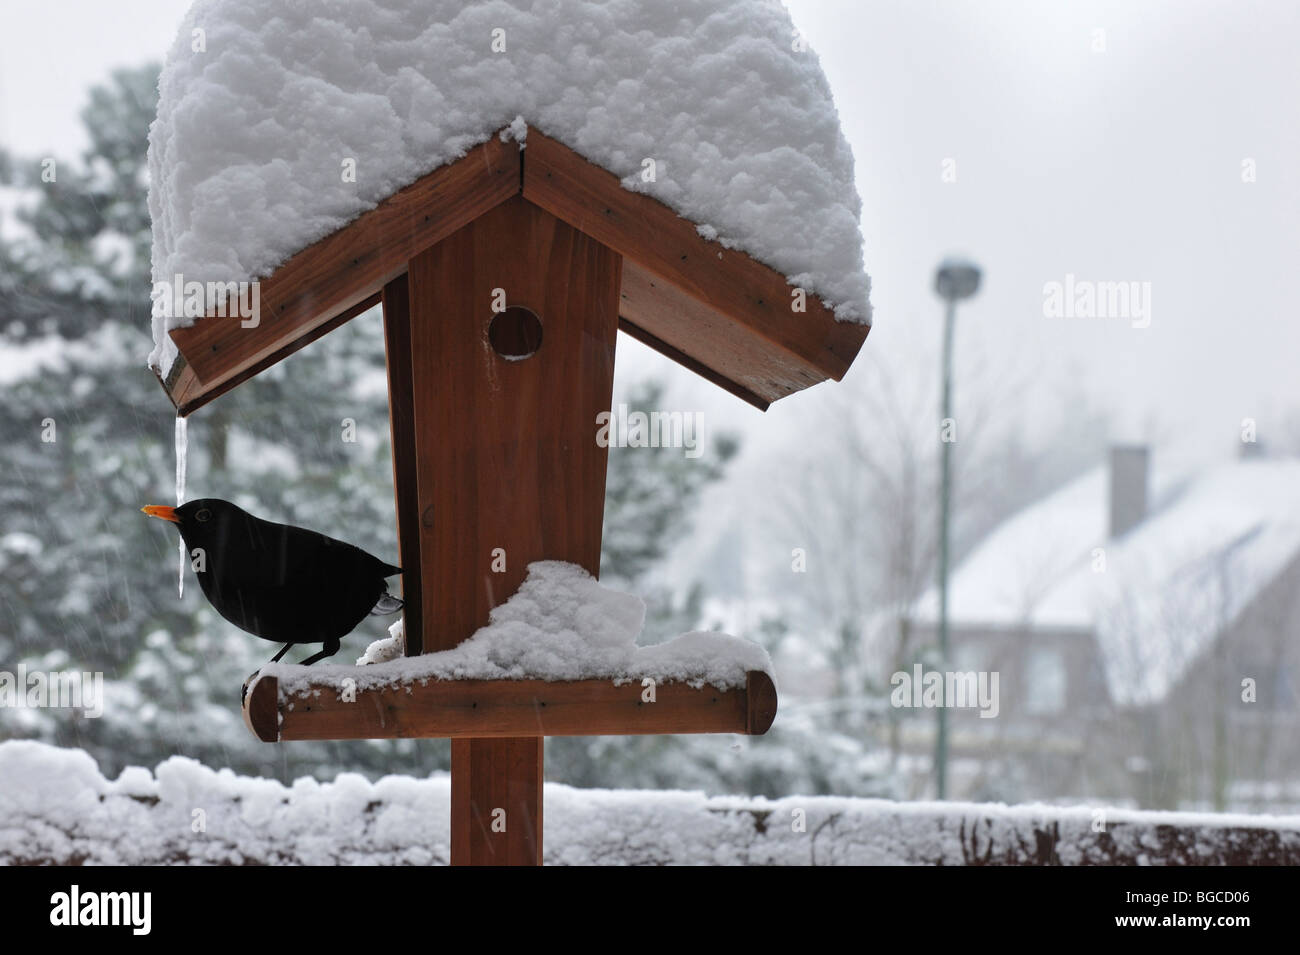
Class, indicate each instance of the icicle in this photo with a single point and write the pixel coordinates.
(181, 447)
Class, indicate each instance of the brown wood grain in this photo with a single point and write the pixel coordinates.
(490, 775)
(262, 709)
(346, 267)
(482, 709)
(727, 349)
(760, 701)
(727, 311)
(686, 361)
(401, 426)
(189, 394)
(506, 450)
(507, 465)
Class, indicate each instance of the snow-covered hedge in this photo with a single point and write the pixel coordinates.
(55, 807)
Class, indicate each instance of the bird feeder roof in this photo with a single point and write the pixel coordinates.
(317, 148)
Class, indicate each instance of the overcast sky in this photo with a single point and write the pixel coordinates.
(1115, 164)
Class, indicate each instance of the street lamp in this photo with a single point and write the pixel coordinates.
(955, 279)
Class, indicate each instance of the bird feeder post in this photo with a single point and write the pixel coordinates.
(496, 460)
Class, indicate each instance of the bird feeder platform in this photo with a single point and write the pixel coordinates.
(471, 709)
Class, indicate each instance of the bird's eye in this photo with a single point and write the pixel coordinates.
(203, 515)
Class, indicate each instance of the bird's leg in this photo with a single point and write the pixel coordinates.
(253, 676)
(275, 659)
(331, 648)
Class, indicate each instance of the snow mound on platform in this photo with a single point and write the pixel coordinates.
(560, 625)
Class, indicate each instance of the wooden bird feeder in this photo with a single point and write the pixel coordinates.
(492, 450)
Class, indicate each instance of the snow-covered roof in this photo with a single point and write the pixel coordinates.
(1214, 538)
(262, 102)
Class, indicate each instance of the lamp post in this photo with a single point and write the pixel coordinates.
(955, 279)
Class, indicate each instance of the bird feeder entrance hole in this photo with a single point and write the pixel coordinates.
(515, 333)
(494, 457)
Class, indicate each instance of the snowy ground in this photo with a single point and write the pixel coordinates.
(55, 807)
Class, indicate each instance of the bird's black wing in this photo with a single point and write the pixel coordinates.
(308, 553)
(324, 586)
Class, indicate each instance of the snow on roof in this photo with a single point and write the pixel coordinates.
(246, 155)
(561, 624)
(1214, 538)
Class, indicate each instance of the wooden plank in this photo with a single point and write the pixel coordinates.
(760, 702)
(262, 707)
(507, 466)
(496, 801)
(483, 709)
(401, 426)
(729, 350)
(346, 267)
(727, 311)
(180, 378)
(191, 395)
(685, 360)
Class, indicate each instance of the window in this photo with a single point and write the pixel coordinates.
(1045, 681)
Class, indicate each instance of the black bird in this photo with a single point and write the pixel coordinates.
(279, 582)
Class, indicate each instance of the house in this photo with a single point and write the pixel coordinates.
(1144, 623)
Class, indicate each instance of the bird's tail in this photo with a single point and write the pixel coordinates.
(386, 604)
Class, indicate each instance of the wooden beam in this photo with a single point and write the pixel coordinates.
(261, 709)
(342, 270)
(401, 426)
(507, 467)
(480, 709)
(686, 361)
(496, 801)
(725, 310)
(191, 395)
(729, 350)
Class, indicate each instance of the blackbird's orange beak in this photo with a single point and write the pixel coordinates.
(159, 510)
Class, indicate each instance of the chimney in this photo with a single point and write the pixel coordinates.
(1128, 487)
